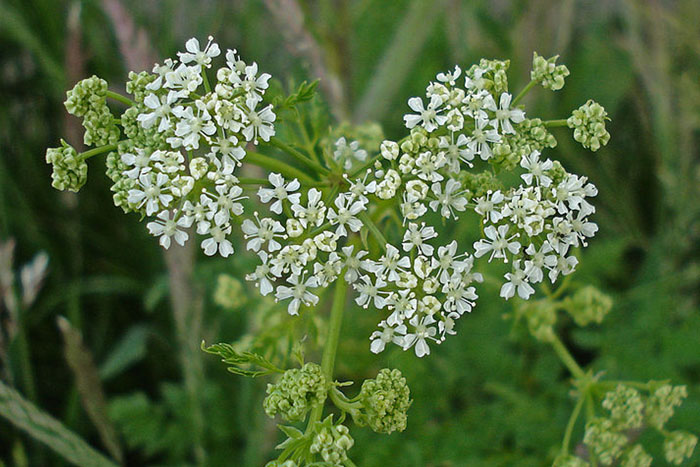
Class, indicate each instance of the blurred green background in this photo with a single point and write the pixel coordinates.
(490, 396)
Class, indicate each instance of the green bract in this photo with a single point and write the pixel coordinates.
(296, 392)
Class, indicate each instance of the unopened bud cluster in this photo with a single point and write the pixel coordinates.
(88, 99)
(69, 169)
(588, 305)
(297, 391)
(332, 443)
(546, 72)
(385, 401)
(588, 122)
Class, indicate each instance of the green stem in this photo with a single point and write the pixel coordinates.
(522, 94)
(374, 230)
(566, 357)
(572, 423)
(331, 347)
(118, 97)
(555, 123)
(298, 156)
(267, 162)
(561, 289)
(253, 181)
(365, 166)
(95, 151)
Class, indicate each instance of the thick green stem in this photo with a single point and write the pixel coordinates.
(331, 347)
(93, 152)
(298, 156)
(267, 162)
(123, 99)
(522, 94)
(572, 423)
(373, 230)
(555, 123)
(566, 357)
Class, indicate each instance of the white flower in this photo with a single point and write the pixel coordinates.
(459, 296)
(429, 117)
(498, 244)
(259, 123)
(346, 214)
(391, 264)
(487, 206)
(539, 259)
(481, 137)
(447, 260)
(387, 334)
(217, 241)
(422, 331)
(281, 191)
(254, 85)
(450, 77)
(297, 292)
(167, 227)
(226, 203)
(505, 115)
(517, 281)
(535, 169)
(152, 193)
(370, 293)
(186, 78)
(581, 227)
(139, 161)
(449, 200)
(416, 236)
(456, 151)
(345, 153)
(314, 212)
(261, 275)
(476, 104)
(264, 231)
(353, 263)
(195, 54)
(229, 150)
(191, 126)
(389, 150)
(428, 164)
(161, 110)
(565, 265)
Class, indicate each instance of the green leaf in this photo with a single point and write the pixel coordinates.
(129, 350)
(46, 429)
(239, 359)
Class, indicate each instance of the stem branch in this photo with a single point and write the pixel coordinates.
(522, 93)
(123, 99)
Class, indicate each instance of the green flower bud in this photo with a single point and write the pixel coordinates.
(661, 404)
(547, 72)
(541, 316)
(69, 170)
(678, 446)
(136, 86)
(385, 401)
(287, 463)
(588, 305)
(88, 99)
(626, 406)
(332, 442)
(636, 457)
(605, 443)
(229, 292)
(479, 184)
(588, 122)
(556, 173)
(297, 391)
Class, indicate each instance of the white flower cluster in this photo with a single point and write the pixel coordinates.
(536, 225)
(190, 179)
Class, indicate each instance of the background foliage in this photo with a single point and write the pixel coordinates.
(491, 396)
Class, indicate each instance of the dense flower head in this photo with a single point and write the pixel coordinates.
(662, 403)
(229, 292)
(679, 446)
(88, 99)
(636, 457)
(184, 141)
(332, 442)
(546, 72)
(588, 122)
(385, 401)
(604, 441)
(69, 169)
(296, 392)
(626, 407)
(588, 305)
